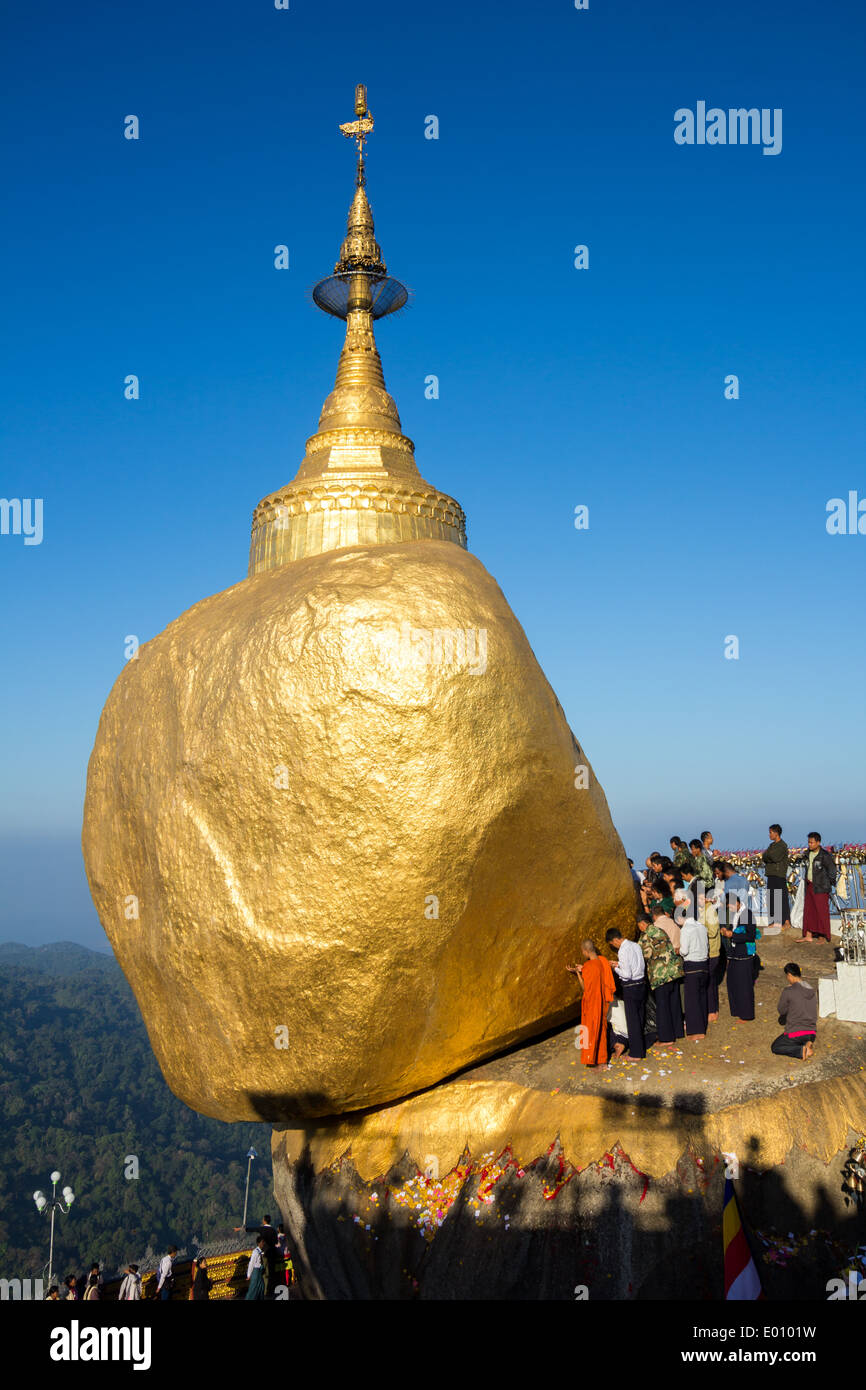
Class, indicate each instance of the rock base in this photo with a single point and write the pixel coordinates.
(494, 1229)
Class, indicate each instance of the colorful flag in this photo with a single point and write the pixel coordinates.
(741, 1276)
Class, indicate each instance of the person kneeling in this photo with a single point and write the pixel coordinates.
(798, 1012)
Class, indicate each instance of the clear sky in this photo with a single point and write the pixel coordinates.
(558, 387)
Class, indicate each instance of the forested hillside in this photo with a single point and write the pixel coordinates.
(80, 1090)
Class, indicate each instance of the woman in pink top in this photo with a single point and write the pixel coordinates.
(669, 925)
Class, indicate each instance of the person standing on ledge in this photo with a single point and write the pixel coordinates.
(654, 879)
(703, 867)
(695, 950)
(716, 959)
(664, 971)
(165, 1282)
(775, 859)
(680, 852)
(284, 1258)
(663, 890)
(734, 882)
(696, 891)
(798, 1012)
(201, 1282)
(269, 1236)
(256, 1271)
(821, 874)
(631, 969)
(599, 988)
(662, 918)
(130, 1287)
(739, 938)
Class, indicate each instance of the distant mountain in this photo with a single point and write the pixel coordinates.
(80, 1090)
(60, 958)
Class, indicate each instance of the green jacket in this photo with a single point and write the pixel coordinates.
(703, 869)
(775, 858)
(682, 857)
(663, 962)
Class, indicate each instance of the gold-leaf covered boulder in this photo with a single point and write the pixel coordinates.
(340, 798)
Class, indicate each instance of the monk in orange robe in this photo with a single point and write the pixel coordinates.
(599, 988)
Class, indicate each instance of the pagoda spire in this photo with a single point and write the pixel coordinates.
(358, 482)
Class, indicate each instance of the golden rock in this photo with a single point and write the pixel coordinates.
(343, 795)
(337, 829)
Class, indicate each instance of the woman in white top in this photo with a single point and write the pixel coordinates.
(130, 1288)
(695, 951)
(256, 1271)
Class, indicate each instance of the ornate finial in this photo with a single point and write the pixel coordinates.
(358, 482)
(360, 128)
(360, 269)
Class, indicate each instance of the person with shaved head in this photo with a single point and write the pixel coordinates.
(599, 988)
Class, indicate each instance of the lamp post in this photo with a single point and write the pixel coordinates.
(54, 1204)
(251, 1154)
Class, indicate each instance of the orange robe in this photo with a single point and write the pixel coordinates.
(599, 988)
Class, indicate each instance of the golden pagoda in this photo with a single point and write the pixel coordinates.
(358, 483)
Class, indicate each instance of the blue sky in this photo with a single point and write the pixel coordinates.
(558, 387)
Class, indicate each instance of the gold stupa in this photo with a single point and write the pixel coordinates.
(333, 826)
(358, 483)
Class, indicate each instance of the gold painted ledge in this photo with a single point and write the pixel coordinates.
(726, 1094)
(483, 1116)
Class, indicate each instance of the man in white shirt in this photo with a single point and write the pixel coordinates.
(695, 951)
(166, 1274)
(631, 969)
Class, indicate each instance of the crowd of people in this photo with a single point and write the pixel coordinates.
(696, 930)
(269, 1265)
(78, 1287)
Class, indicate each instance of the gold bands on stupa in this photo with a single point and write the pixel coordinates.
(358, 483)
